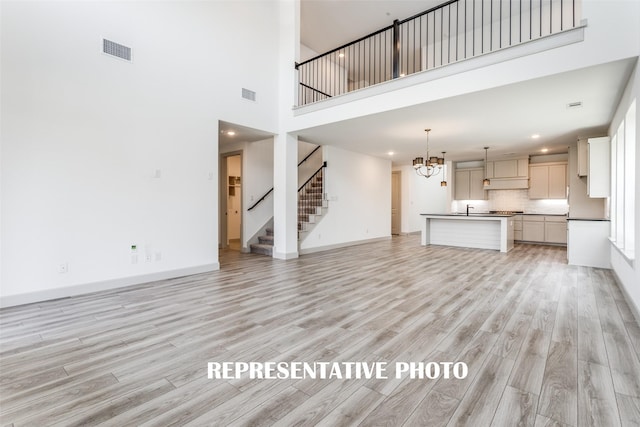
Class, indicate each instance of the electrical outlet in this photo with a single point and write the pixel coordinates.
(147, 258)
(63, 268)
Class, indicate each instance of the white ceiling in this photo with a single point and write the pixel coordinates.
(328, 24)
(503, 118)
(240, 133)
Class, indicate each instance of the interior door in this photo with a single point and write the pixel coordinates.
(395, 202)
(234, 201)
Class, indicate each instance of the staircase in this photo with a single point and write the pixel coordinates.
(264, 245)
(311, 205)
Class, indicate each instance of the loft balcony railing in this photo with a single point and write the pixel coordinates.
(450, 32)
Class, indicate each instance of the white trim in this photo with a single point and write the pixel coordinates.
(342, 245)
(632, 306)
(629, 257)
(285, 255)
(69, 291)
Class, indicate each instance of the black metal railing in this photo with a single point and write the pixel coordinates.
(261, 199)
(311, 195)
(450, 32)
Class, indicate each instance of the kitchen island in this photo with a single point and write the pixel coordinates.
(483, 231)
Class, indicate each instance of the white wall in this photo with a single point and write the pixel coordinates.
(629, 273)
(83, 135)
(580, 204)
(421, 195)
(359, 189)
(311, 165)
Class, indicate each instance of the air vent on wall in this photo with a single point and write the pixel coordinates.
(576, 104)
(248, 94)
(115, 49)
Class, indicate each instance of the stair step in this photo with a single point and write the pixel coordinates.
(259, 248)
(269, 231)
(266, 240)
(308, 210)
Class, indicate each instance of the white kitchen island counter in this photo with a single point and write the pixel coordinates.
(483, 231)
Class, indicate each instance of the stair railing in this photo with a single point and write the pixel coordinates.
(264, 196)
(447, 33)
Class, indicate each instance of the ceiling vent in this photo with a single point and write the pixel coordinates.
(576, 104)
(248, 94)
(117, 50)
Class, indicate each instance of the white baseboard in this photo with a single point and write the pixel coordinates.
(69, 291)
(285, 255)
(635, 310)
(341, 245)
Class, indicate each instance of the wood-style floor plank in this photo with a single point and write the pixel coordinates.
(545, 343)
(596, 399)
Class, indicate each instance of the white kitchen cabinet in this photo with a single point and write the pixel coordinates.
(548, 181)
(544, 229)
(588, 243)
(538, 182)
(510, 168)
(599, 169)
(583, 154)
(557, 182)
(517, 227)
(555, 232)
(468, 184)
(533, 228)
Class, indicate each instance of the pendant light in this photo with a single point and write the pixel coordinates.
(486, 181)
(443, 183)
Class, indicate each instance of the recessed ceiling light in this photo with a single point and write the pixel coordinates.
(391, 153)
(544, 150)
(535, 136)
(230, 133)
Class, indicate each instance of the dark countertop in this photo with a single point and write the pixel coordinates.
(471, 215)
(543, 214)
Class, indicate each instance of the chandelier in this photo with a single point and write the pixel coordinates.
(432, 166)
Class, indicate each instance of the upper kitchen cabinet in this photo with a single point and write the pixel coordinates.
(468, 184)
(583, 157)
(510, 174)
(594, 163)
(599, 160)
(548, 181)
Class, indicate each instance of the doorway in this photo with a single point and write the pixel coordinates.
(231, 230)
(395, 202)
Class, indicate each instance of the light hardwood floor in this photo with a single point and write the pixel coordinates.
(545, 343)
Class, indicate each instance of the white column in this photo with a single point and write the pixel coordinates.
(285, 196)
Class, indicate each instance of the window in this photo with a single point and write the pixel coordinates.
(623, 183)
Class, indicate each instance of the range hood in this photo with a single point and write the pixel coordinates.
(508, 174)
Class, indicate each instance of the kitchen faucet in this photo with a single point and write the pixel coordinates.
(469, 207)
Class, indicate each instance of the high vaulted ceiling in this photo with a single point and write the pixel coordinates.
(503, 118)
(327, 24)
